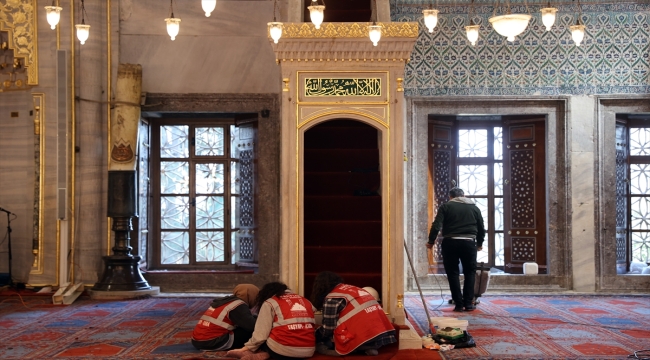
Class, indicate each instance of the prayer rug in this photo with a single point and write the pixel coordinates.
(545, 327)
(151, 328)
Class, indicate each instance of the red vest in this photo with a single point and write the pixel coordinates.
(361, 320)
(293, 321)
(215, 322)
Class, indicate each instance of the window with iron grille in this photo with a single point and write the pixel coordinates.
(195, 193)
(632, 192)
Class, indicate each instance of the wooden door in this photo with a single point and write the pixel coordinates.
(441, 172)
(524, 194)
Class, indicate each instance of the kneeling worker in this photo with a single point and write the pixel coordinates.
(228, 323)
(284, 329)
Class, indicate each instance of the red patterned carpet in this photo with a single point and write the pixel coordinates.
(546, 327)
(153, 328)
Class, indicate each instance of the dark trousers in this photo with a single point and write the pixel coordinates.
(465, 251)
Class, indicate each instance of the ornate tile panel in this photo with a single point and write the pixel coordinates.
(612, 59)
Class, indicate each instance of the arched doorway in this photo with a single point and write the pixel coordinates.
(343, 203)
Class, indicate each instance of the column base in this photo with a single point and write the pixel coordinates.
(121, 273)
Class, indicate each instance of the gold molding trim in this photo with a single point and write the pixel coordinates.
(348, 30)
(39, 189)
(17, 17)
(343, 112)
(299, 128)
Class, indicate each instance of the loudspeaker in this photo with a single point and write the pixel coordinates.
(62, 140)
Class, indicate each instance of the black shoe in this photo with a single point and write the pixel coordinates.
(470, 308)
(458, 308)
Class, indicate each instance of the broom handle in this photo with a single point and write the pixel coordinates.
(415, 276)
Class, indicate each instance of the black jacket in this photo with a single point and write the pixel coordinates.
(458, 217)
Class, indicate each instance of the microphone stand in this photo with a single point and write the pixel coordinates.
(11, 280)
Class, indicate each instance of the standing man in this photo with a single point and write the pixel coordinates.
(463, 233)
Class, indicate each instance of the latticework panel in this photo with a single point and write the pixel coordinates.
(442, 176)
(621, 193)
(523, 188)
(247, 188)
(246, 248)
(523, 249)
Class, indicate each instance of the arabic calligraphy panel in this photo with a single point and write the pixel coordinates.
(336, 87)
(317, 87)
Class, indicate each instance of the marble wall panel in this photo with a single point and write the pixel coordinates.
(17, 182)
(582, 221)
(582, 115)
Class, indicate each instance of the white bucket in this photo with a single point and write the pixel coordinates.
(436, 320)
(454, 323)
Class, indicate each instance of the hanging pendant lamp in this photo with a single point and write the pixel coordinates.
(83, 30)
(510, 25)
(472, 29)
(472, 32)
(208, 6)
(548, 16)
(275, 27)
(374, 30)
(53, 14)
(578, 30)
(173, 24)
(430, 18)
(316, 13)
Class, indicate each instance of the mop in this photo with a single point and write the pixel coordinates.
(415, 276)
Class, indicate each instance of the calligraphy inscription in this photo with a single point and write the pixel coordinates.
(342, 87)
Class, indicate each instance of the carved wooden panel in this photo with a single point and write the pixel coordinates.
(246, 248)
(441, 138)
(442, 177)
(523, 249)
(522, 133)
(524, 194)
(247, 188)
(522, 188)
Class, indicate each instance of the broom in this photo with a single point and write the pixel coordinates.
(415, 276)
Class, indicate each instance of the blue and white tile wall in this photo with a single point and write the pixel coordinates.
(612, 59)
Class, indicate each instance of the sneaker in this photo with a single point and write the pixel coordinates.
(470, 308)
(458, 308)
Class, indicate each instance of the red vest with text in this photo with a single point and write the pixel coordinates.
(215, 322)
(293, 321)
(361, 320)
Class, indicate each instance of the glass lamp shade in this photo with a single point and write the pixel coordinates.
(208, 6)
(374, 32)
(53, 14)
(316, 13)
(173, 26)
(472, 33)
(430, 19)
(577, 33)
(275, 30)
(548, 17)
(83, 31)
(510, 25)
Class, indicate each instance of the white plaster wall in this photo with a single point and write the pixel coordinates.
(229, 52)
(581, 115)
